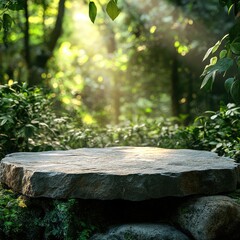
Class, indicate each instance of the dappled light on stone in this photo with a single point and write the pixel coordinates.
(130, 173)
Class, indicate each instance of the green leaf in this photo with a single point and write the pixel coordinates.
(235, 47)
(216, 46)
(213, 60)
(228, 84)
(92, 11)
(209, 51)
(16, 5)
(208, 81)
(235, 91)
(7, 21)
(223, 53)
(4, 120)
(224, 37)
(112, 9)
(8, 223)
(222, 65)
(1, 25)
(230, 8)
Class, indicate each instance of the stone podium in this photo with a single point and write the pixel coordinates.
(129, 173)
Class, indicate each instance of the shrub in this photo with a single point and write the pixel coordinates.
(159, 133)
(27, 122)
(11, 213)
(217, 132)
(62, 221)
(22, 218)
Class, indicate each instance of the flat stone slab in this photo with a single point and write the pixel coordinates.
(130, 173)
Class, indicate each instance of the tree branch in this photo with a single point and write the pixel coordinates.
(57, 31)
(26, 35)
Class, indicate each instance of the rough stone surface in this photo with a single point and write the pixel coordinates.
(210, 218)
(142, 232)
(130, 173)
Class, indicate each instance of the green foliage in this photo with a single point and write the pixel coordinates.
(12, 4)
(112, 10)
(235, 195)
(62, 222)
(227, 61)
(217, 132)
(92, 11)
(160, 133)
(30, 219)
(27, 122)
(11, 213)
(217, 65)
(228, 3)
(6, 21)
(143, 51)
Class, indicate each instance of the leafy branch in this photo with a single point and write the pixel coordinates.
(112, 10)
(6, 20)
(228, 59)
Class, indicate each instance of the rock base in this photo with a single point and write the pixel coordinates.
(142, 232)
(198, 218)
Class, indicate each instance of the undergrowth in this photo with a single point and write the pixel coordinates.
(28, 123)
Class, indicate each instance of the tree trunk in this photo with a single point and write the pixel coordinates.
(189, 98)
(57, 31)
(40, 62)
(116, 93)
(175, 75)
(175, 86)
(116, 98)
(26, 36)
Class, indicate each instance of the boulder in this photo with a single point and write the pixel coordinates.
(210, 218)
(129, 173)
(142, 232)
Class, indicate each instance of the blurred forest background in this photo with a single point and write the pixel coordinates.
(145, 64)
(67, 83)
